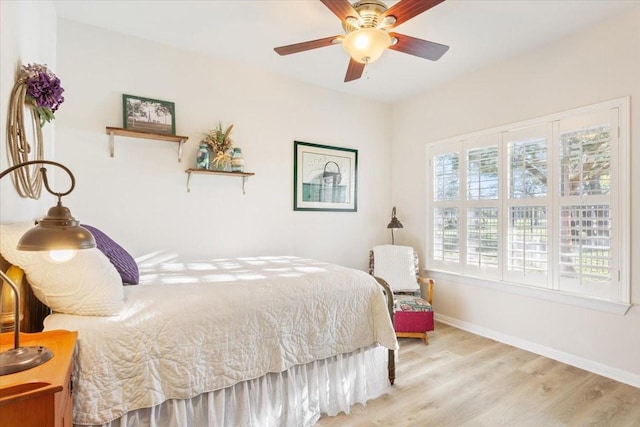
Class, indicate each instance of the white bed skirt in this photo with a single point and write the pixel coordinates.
(294, 398)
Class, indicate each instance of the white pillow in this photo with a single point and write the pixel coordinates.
(396, 265)
(87, 285)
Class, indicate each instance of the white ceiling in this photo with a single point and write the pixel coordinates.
(478, 32)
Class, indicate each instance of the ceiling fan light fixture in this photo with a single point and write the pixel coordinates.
(366, 45)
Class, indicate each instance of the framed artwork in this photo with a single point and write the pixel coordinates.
(148, 115)
(324, 178)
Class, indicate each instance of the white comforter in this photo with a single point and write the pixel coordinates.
(194, 327)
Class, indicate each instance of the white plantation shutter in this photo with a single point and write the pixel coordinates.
(585, 244)
(445, 232)
(585, 161)
(586, 152)
(482, 213)
(543, 203)
(482, 237)
(527, 255)
(446, 236)
(482, 173)
(446, 177)
(528, 167)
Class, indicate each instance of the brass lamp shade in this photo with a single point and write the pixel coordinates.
(59, 230)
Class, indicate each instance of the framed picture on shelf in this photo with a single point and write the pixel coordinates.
(325, 178)
(148, 115)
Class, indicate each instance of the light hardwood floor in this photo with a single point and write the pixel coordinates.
(461, 379)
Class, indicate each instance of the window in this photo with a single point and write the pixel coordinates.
(541, 203)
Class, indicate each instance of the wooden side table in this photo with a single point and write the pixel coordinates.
(40, 396)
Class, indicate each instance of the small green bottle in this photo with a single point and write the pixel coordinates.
(237, 160)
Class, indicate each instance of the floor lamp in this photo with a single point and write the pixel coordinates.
(59, 230)
(395, 223)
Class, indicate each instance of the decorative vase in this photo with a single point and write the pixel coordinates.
(237, 160)
(221, 161)
(203, 155)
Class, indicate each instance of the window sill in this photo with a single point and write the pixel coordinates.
(618, 308)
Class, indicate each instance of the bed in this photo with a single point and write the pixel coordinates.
(254, 341)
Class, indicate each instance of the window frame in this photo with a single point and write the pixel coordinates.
(618, 296)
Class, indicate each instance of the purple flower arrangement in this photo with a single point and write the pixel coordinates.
(43, 90)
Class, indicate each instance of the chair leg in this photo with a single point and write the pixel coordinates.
(421, 335)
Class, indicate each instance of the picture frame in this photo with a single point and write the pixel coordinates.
(148, 115)
(325, 178)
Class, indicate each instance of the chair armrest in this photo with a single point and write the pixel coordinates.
(426, 289)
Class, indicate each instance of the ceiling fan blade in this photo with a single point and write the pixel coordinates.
(354, 71)
(418, 47)
(301, 47)
(407, 9)
(341, 8)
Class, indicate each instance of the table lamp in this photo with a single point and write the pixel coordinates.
(57, 231)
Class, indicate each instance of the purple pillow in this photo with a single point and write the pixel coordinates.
(120, 258)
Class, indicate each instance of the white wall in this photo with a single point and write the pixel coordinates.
(27, 35)
(139, 196)
(599, 64)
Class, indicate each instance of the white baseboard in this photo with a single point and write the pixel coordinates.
(569, 359)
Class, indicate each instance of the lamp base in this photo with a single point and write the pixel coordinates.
(23, 358)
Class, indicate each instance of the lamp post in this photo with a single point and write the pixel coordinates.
(59, 230)
(394, 223)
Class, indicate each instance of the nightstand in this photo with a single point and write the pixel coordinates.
(40, 396)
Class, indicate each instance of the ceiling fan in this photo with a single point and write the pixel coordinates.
(367, 25)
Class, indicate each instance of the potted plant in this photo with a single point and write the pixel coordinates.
(221, 147)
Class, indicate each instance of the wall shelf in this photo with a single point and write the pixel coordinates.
(245, 176)
(113, 131)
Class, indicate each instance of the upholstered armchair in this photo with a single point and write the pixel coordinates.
(413, 294)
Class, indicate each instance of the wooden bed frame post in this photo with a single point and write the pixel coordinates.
(392, 361)
(32, 310)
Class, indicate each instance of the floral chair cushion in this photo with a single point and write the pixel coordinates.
(411, 303)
